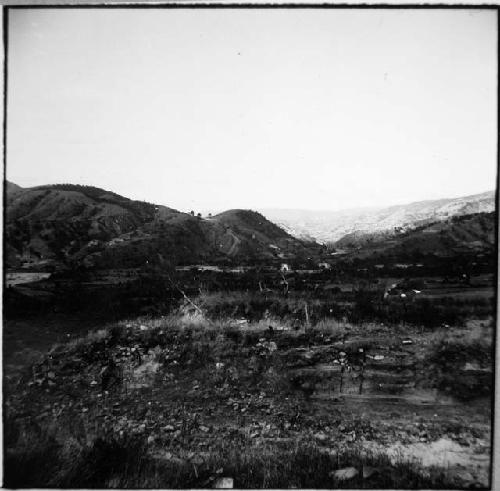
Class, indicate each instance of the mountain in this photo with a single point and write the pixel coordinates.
(84, 225)
(57, 221)
(459, 235)
(330, 226)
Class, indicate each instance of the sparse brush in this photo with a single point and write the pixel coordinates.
(455, 350)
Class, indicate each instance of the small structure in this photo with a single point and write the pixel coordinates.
(284, 267)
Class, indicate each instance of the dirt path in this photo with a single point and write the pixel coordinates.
(235, 244)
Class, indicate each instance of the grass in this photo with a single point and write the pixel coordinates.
(125, 462)
(358, 307)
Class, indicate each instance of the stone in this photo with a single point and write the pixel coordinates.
(470, 367)
(320, 436)
(224, 483)
(344, 474)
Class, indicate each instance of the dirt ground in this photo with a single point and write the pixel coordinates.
(188, 387)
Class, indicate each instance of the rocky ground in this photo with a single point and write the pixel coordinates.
(352, 406)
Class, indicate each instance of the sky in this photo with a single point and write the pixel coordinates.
(211, 109)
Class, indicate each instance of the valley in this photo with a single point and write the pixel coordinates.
(149, 348)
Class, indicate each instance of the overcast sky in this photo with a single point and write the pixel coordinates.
(216, 109)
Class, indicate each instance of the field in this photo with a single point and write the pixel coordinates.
(314, 388)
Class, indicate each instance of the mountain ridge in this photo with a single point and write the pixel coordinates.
(92, 227)
(329, 227)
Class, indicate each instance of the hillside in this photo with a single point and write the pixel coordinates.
(330, 226)
(467, 234)
(71, 224)
(47, 223)
(12, 188)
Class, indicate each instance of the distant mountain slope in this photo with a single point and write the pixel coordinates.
(91, 226)
(330, 226)
(464, 234)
